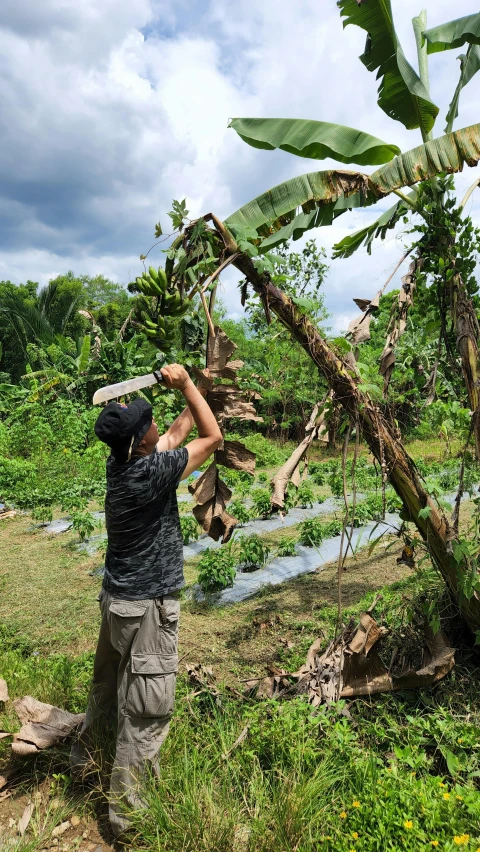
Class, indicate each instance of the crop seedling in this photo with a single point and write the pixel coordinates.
(287, 547)
(83, 523)
(253, 553)
(239, 511)
(312, 532)
(261, 502)
(43, 514)
(305, 495)
(189, 527)
(217, 568)
(318, 473)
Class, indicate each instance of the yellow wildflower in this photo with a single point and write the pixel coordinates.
(356, 804)
(434, 843)
(462, 839)
(459, 798)
(355, 835)
(460, 740)
(408, 823)
(446, 796)
(343, 814)
(440, 784)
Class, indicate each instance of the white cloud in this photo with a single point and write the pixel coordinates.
(111, 109)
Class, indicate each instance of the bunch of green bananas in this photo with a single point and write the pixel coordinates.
(152, 283)
(159, 317)
(162, 332)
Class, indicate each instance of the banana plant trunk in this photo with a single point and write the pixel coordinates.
(432, 525)
(467, 332)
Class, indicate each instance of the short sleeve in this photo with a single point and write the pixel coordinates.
(166, 469)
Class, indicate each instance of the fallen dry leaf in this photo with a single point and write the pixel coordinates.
(61, 829)
(3, 690)
(43, 725)
(25, 819)
(351, 666)
(4, 779)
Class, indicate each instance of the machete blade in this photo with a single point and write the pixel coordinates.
(122, 388)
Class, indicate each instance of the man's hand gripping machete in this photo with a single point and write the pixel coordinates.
(123, 388)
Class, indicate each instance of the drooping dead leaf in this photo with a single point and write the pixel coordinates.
(359, 327)
(43, 725)
(430, 385)
(219, 350)
(226, 401)
(3, 690)
(235, 455)
(9, 514)
(25, 819)
(290, 471)
(398, 320)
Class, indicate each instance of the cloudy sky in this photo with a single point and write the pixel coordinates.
(111, 108)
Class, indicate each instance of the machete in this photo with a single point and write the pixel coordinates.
(122, 388)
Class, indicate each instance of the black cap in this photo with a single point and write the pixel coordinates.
(117, 424)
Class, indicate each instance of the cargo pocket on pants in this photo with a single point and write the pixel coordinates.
(125, 618)
(151, 691)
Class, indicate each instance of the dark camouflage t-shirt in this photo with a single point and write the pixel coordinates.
(145, 549)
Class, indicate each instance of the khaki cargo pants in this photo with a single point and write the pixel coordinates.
(135, 669)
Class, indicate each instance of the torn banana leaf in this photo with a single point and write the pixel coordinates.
(379, 228)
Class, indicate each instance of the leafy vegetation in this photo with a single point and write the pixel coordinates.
(252, 552)
(217, 568)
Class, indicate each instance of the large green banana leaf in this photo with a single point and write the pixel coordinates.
(401, 94)
(469, 65)
(311, 192)
(330, 192)
(314, 139)
(454, 34)
(352, 242)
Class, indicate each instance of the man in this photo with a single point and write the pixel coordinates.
(136, 659)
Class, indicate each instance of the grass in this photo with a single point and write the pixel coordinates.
(391, 772)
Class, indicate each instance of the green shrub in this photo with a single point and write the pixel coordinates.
(239, 511)
(335, 480)
(42, 514)
(261, 502)
(253, 553)
(83, 523)
(238, 480)
(332, 528)
(217, 568)
(287, 547)
(189, 527)
(305, 495)
(312, 532)
(317, 473)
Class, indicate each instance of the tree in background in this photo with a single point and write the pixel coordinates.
(286, 379)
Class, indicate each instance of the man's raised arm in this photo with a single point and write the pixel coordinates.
(198, 412)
